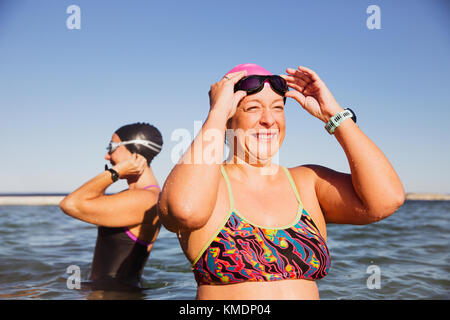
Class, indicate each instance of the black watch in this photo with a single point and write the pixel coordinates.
(353, 114)
(114, 174)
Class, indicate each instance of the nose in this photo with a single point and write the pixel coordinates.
(267, 119)
(107, 156)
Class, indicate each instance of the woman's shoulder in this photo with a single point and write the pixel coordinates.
(310, 175)
(306, 171)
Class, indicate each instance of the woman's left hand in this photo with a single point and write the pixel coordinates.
(311, 92)
(133, 166)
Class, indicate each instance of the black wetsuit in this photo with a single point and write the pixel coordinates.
(118, 259)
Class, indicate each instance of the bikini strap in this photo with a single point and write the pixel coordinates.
(293, 185)
(230, 193)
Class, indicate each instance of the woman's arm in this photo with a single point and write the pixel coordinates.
(190, 192)
(373, 190)
(89, 203)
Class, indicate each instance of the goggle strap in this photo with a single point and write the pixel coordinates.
(146, 143)
(149, 144)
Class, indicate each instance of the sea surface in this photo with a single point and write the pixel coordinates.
(405, 256)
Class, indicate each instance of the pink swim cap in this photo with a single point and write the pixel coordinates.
(251, 69)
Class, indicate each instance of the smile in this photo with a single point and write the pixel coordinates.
(265, 136)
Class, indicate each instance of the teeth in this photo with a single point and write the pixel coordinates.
(265, 135)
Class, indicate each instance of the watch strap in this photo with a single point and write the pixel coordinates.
(114, 173)
(338, 118)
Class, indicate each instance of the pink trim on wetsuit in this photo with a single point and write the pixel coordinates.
(132, 236)
(136, 239)
(153, 185)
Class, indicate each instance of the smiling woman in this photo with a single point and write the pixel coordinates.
(251, 230)
(260, 143)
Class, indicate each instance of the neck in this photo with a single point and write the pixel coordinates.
(145, 179)
(247, 170)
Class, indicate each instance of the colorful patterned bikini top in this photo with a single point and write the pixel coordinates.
(242, 251)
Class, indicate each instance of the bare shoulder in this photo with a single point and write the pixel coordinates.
(314, 173)
(307, 173)
(305, 178)
(309, 170)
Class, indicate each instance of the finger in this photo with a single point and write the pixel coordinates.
(238, 96)
(235, 76)
(301, 80)
(294, 80)
(300, 75)
(314, 87)
(296, 87)
(296, 83)
(299, 97)
(310, 72)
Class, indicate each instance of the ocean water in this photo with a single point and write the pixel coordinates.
(405, 256)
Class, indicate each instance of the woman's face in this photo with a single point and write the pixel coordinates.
(259, 126)
(120, 154)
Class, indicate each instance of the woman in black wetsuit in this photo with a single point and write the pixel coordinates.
(127, 221)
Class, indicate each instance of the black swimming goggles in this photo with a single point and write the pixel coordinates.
(255, 83)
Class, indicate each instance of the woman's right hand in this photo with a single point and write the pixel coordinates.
(134, 166)
(222, 97)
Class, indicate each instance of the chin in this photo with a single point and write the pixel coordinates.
(262, 155)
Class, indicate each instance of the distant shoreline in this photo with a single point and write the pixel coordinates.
(53, 199)
(427, 196)
(30, 200)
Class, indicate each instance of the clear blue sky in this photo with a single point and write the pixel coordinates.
(64, 92)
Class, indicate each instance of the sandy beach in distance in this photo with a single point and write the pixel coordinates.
(427, 196)
(40, 200)
(43, 200)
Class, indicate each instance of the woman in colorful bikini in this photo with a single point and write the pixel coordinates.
(253, 229)
(128, 222)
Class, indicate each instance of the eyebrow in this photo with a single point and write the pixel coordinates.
(260, 101)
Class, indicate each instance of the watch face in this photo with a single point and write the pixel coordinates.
(114, 175)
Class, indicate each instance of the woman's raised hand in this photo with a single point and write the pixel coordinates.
(311, 92)
(134, 166)
(222, 97)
